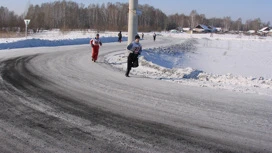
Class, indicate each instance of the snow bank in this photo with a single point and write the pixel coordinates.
(55, 38)
(209, 63)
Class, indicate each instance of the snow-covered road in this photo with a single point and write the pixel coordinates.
(56, 100)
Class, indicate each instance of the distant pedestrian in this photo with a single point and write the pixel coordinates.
(142, 35)
(211, 35)
(95, 43)
(120, 36)
(154, 36)
(135, 49)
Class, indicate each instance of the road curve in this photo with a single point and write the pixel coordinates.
(57, 100)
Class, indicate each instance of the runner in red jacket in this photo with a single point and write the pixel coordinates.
(95, 43)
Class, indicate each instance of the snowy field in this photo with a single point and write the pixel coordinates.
(225, 62)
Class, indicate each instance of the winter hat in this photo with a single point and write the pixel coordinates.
(137, 37)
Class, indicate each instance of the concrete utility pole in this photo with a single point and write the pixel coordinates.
(132, 20)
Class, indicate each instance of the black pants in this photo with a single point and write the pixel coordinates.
(132, 61)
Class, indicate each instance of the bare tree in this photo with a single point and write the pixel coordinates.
(193, 21)
(113, 16)
(239, 24)
(9, 21)
(227, 23)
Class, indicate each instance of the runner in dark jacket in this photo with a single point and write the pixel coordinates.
(135, 49)
(120, 36)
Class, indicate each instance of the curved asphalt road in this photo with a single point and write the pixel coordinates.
(57, 100)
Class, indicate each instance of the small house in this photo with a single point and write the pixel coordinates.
(264, 30)
(212, 28)
(202, 28)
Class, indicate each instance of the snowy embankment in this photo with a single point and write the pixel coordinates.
(241, 64)
(55, 38)
(223, 62)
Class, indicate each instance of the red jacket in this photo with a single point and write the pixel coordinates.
(95, 43)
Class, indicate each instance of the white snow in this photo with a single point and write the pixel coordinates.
(229, 62)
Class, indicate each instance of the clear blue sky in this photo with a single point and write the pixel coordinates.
(246, 9)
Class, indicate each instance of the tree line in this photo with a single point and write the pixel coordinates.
(69, 15)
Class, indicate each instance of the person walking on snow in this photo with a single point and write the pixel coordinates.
(154, 36)
(120, 36)
(135, 49)
(95, 43)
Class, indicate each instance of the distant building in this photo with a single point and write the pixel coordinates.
(219, 29)
(186, 29)
(206, 29)
(174, 31)
(264, 31)
(251, 31)
(212, 28)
